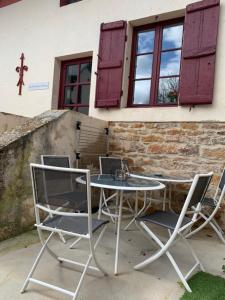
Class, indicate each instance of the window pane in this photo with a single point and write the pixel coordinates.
(83, 94)
(70, 95)
(83, 110)
(85, 72)
(145, 42)
(172, 37)
(72, 1)
(71, 74)
(143, 66)
(168, 90)
(170, 63)
(142, 91)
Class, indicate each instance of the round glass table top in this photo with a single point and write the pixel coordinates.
(131, 183)
(163, 178)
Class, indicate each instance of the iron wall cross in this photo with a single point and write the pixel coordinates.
(21, 70)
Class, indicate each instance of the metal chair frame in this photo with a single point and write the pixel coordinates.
(42, 227)
(179, 232)
(209, 217)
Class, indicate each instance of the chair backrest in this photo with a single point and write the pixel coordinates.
(201, 186)
(194, 197)
(50, 192)
(108, 165)
(222, 180)
(56, 160)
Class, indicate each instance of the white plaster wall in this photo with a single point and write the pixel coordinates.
(48, 33)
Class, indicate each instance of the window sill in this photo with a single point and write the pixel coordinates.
(152, 106)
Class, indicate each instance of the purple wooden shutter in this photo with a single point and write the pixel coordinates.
(199, 52)
(110, 64)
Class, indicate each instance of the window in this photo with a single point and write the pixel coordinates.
(65, 2)
(75, 85)
(155, 64)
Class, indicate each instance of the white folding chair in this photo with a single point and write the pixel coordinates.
(210, 208)
(51, 196)
(177, 225)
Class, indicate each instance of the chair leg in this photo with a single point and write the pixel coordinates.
(76, 242)
(179, 273)
(36, 263)
(94, 248)
(47, 247)
(91, 256)
(164, 250)
(218, 231)
(82, 277)
(62, 238)
(142, 210)
(212, 223)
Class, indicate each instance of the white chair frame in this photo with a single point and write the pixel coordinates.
(45, 246)
(209, 218)
(179, 232)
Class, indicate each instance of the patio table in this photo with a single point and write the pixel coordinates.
(168, 180)
(130, 184)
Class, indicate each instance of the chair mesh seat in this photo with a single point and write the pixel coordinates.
(73, 224)
(208, 202)
(164, 219)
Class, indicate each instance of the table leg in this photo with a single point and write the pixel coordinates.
(164, 197)
(118, 232)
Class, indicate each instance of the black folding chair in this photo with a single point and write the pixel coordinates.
(210, 208)
(178, 225)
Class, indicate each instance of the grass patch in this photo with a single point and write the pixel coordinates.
(205, 287)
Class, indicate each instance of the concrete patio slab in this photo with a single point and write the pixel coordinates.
(158, 281)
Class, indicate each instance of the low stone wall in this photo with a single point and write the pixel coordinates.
(50, 133)
(173, 148)
(9, 121)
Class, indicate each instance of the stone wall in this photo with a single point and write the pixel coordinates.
(10, 121)
(50, 133)
(172, 148)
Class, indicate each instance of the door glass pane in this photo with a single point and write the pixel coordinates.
(168, 90)
(170, 63)
(83, 94)
(172, 37)
(145, 41)
(143, 66)
(83, 110)
(85, 72)
(70, 95)
(142, 91)
(71, 74)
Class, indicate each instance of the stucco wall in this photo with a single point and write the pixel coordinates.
(9, 121)
(48, 34)
(50, 133)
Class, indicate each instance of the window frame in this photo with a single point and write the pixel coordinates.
(63, 84)
(158, 27)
